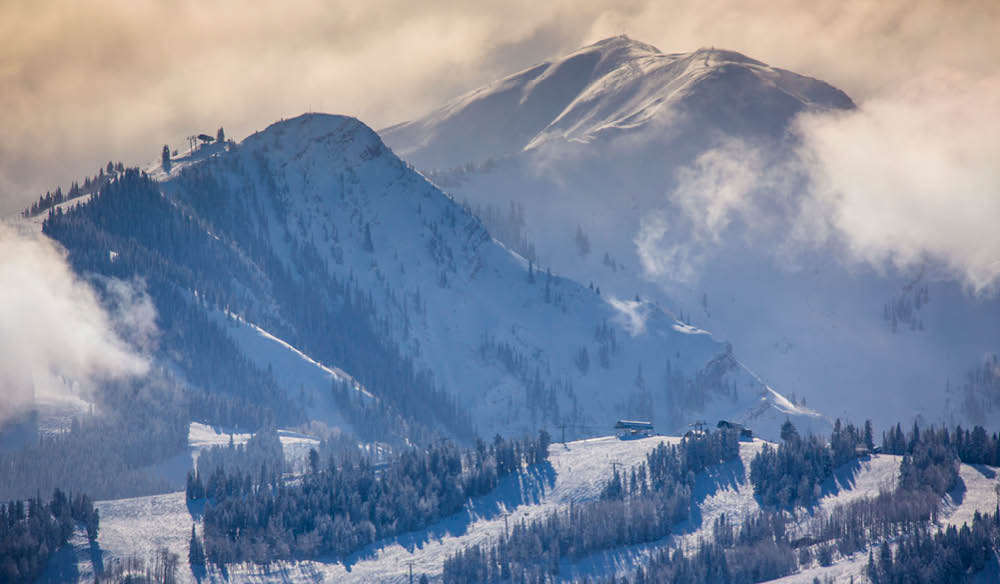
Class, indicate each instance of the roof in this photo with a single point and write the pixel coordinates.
(633, 424)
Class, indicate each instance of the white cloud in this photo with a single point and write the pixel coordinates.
(914, 175)
(908, 178)
(632, 314)
(732, 194)
(58, 342)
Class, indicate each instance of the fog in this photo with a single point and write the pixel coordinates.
(58, 341)
(908, 178)
(913, 175)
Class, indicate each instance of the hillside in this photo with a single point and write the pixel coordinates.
(313, 231)
(606, 91)
(679, 177)
(576, 475)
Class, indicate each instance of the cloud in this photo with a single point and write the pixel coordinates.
(58, 342)
(86, 82)
(909, 178)
(110, 79)
(865, 48)
(632, 314)
(732, 194)
(914, 175)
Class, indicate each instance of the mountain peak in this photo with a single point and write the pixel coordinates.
(714, 56)
(619, 42)
(316, 126)
(324, 134)
(612, 86)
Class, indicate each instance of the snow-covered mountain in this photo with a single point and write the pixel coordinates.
(324, 246)
(608, 89)
(675, 176)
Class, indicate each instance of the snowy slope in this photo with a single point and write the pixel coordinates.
(578, 469)
(466, 308)
(296, 372)
(613, 86)
(681, 171)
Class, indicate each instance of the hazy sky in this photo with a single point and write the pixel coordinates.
(85, 82)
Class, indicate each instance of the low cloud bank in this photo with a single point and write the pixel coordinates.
(906, 179)
(58, 341)
(914, 175)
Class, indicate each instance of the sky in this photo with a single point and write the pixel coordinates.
(84, 83)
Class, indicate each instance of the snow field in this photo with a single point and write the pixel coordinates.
(577, 473)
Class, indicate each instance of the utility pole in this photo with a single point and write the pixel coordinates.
(563, 428)
(410, 563)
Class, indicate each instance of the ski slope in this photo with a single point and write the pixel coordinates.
(576, 473)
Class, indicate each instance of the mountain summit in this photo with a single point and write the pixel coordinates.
(606, 89)
(313, 232)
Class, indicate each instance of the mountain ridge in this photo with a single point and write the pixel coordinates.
(317, 209)
(616, 84)
(683, 178)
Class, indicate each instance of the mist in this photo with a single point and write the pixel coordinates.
(58, 341)
(907, 179)
(912, 176)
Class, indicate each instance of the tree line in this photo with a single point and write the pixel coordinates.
(790, 474)
(949, 555)
(350, 501)
(141, 422)
(777, 540)
(206, 247)
(90, 185)
(639, 506)
(30, 532)
(974, 446)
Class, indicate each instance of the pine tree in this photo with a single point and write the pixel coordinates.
(368, 244)
(582, 242)
(313, 460)
(166, 158)
(196, 552)
(788, 431)
(93, 523)
(220, 136)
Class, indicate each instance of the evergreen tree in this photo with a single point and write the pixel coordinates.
(582, 242)
(92, 523)
(196, 552)
(869, 438)
(788, 431)
(368, 244)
